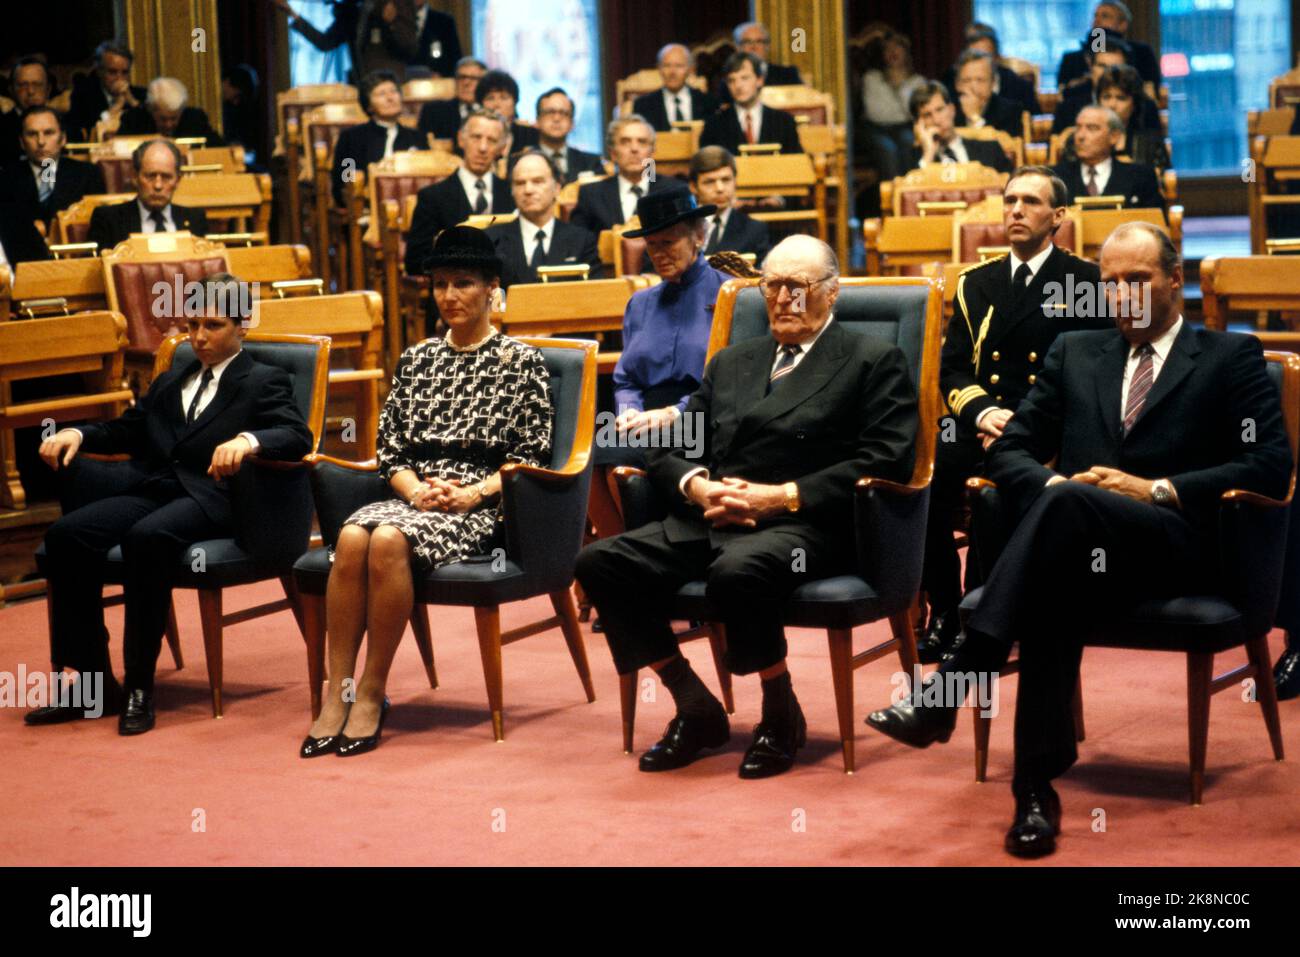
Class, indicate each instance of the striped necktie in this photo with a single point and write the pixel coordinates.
(784, 366)
(1140, 385)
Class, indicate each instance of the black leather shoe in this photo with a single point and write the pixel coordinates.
(684, 738)
(939, 638)
(916, 722)
(1038, 821)
(315, 747)
(63, 713)
(350, 747)
(1286, 675)
(774, 747)
(137, 716)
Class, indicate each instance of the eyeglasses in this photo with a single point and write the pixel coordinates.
(771, 287)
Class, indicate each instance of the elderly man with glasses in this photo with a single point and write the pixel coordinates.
(790, 421)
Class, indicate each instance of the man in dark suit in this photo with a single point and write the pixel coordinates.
(789, 422)
(164, 113)
(1005, 319)
(1144, 426)
(977, 104)
(935, 131)
(674, 101)
(1110, 17)
(157, 166)
(45, 181)
(29, 82)
(107, 93)
(1081, 92)
(554, 123)
(19, 240)
(380, 34)
(713, 181)
(438, 47)
(630, 141)
(382, 135)
(192, 430)
(1095, 171)
(753, 37)
(473, 189)
(537, 237)
(499, 92)
(1007, 82)
(442, 118)
(748, 120)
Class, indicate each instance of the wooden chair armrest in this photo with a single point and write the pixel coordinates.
(104, 457)
(573, 467)
(977, 483)
(1253, 498)
(368, 465)
(623, 473)
(895, 488)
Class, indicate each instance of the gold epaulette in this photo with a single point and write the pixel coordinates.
(987, 262)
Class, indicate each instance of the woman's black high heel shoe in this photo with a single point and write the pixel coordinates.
(348, 747)
(315, 747)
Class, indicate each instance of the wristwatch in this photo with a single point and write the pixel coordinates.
(482, 491)
(791, 496)
(1162, 493)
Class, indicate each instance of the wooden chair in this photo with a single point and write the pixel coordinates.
(805, 102)
(240, 200)
(72, 225)
(319, 123)
(1258, 284)
(1284, 90)
(899, 245)
(792, 176)
(647, 81)
(1270, 122)
(113, 157)
(6, 290)
(1098, 224)
(945, 274)
(828, 146)
(90, 344)
(322, 126)
(417, 92)
(76, 284)
(1276, 165)
(354, 323)
(229, 159)
(1013, 146)
(291, 104)
(937, 187)
(674, 149)
(269, 265)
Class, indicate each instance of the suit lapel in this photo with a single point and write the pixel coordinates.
(173, 406)
(613, 208)
(812, 374)
(1178, 366)
(226, 389)
(1110, 382)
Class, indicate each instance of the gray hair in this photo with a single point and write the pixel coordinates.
(1113, 122)
(616, 125)
(117, 48)
(1121, 7)
(1168, 252)
(167, 93)
(976, 56)
(483, 113)
(690, 57)
(739, 32)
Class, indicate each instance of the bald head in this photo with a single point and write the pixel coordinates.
(675, 63)
(800, 284)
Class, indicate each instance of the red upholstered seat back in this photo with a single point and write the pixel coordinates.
(1284, 92)
(119, 174)
(634, 256)
(76, 232)
(134, 283)
(909, 198)
(400, 187)
(975, 235)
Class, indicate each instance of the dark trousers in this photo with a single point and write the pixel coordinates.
(153, 523)
(1080, 556)
(632, 577)
(954, 463)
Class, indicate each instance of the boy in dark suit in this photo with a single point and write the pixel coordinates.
(45, 181)
(157, 166)
(748, 120)
(713, 181)
(192, 430)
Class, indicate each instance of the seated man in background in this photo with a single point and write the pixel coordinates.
(935, 132)
(1112, 18)
(442, 119)
(674, 102)
(978, 106)
(30, 84)
(537, 237)
(1006, 81)
(790, 422)
(1093, 169)
(754, 38)
(630, 141)
(499, 92)
(554, 124)
(191, 431)
(473, 190)
(713, 181)
(748, 120)
(45, 181)
(157, 165)
(164, 112)
(1082, 92)
(1143, 425)
(104, 95)
(380, 136)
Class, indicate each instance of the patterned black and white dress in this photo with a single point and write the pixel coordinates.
(459, 414)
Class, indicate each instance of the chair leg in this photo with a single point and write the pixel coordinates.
(901, 626)
(424, 640)
(840, 641)
(488, 622)
(1200, 673)
(718, 645)
(313, 633)
(562, 602)
(295, 601)
(627, 702)
(210, 616)
(1265, 692)
(174, 637)
(983, 725)
(1079, 733)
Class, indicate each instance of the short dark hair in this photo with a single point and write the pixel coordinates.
(495, 81)
(1060, 192)
(923, 94)
(137, 157)
(223, 292)
(981, 31)
(573, 107)
(1111, 42)
(32, 59)
(38, 110)
(738, 60)
(371, 81)
(534, 151)
(710, 158)
(1123, 78)
(114, 46)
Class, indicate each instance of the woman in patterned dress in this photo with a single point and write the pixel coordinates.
(460, 408)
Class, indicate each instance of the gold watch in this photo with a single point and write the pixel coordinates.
(791, 496)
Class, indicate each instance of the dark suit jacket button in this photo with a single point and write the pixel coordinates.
(801, 434)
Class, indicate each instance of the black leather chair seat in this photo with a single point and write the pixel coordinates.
(843, 601)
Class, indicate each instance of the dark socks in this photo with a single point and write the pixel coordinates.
(688, 691)
(779, 703)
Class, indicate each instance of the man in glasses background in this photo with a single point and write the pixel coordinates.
(790, 421)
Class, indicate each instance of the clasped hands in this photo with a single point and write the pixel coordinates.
(444, 495)
(1111, 479)
(633, 421)
(733, 501)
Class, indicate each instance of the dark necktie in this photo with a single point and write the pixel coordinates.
(159, 224)
(192, 412)
(1092, 180)
(749, 127)
(637, 193)
(1140, 385)
(1020, 283)
(480, 204)
(561, 162)
(677, 108)
(538, 251)
(784, 366)
(948, 154)
(715, 237)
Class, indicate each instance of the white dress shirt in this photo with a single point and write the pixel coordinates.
(958, 150)
(755, 114)
(4, 260)
(1161, 347)
(391, 130)
(467, 181)
(627, 199)
(682, 96)
(147, 225)
(529, 233)
(1103, 174)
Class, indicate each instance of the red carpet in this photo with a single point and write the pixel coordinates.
(559, 790)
